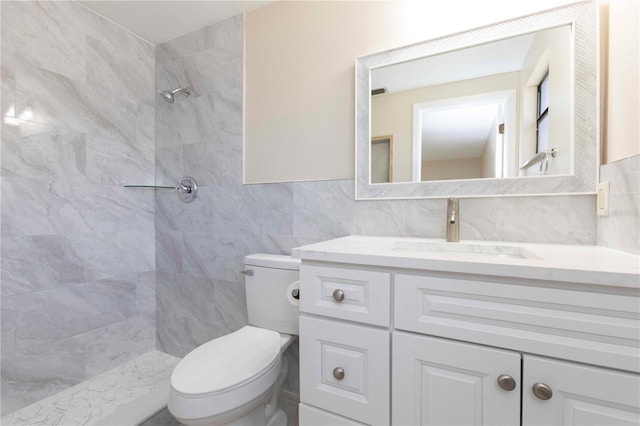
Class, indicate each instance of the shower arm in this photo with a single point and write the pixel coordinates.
(186, 91)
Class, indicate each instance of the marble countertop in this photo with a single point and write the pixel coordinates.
(568, 263)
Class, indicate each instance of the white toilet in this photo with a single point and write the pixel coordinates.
(235, 379)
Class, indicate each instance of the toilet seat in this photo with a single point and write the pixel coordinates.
(225, 373)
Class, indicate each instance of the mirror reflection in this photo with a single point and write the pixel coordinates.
(500, 109)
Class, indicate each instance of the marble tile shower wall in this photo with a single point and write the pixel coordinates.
(200, 246)
(77, 268)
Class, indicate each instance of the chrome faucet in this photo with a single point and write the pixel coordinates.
(453, 219)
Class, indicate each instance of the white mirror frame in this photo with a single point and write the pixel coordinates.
(585, 126)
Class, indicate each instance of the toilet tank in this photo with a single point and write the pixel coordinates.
(269, 280)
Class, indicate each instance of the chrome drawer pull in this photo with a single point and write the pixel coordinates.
(338, 295)
(338, 373)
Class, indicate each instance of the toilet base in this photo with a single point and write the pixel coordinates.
(251, 414)
(256, 417)
(278, 419)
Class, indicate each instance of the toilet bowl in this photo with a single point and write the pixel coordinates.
(234, 379)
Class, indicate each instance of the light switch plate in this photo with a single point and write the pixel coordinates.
(602, 202)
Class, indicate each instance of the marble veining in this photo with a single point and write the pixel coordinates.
(57, 263)
(55, 314)
(60, 50)
(96, 398)
(58, 100)
(123, 74)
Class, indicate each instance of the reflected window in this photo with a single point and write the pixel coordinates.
(542, 128)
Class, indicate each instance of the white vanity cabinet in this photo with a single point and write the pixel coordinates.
(438, 342)
(432, 376)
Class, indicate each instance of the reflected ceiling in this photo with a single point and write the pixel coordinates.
(485, 59)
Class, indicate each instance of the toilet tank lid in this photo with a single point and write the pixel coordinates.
(272, 261)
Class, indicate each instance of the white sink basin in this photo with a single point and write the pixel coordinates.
(464, 249)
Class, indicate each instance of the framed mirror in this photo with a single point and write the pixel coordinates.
(508, 109)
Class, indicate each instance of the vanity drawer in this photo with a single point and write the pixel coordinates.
(351, 294)
(311, 416)
(346, 369)
(579, 325)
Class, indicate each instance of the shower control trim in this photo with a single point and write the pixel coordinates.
(187, 189)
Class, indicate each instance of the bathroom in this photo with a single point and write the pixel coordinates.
(95, 275)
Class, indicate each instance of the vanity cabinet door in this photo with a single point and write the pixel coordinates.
(344, 369)
(579, 394)
(444, 382)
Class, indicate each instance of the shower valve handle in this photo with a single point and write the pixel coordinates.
(184, 186)
(187, 189)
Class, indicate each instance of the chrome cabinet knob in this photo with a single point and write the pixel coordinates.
(542, 391)
(338, 373)
(506, 382)
(295, 293)
(338, 295)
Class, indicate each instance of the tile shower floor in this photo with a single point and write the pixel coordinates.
(125, 395)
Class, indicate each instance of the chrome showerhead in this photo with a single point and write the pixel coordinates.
(169, 95)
